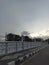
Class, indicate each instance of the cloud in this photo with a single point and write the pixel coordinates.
(25, 33)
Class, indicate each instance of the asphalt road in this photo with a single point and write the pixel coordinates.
(40, 59)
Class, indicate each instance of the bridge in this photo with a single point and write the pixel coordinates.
(23, 53)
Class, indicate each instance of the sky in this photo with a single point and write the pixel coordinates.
(24, 15)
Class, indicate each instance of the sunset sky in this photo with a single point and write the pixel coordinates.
(24, 15)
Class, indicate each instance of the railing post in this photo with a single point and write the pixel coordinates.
(30, 45)
(22, 45)
(33, 44)
(16, 47)
(27, 45)
(6, 48)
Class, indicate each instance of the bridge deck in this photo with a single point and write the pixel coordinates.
(40, 59)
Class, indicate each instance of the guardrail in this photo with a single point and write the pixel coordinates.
(7, 47)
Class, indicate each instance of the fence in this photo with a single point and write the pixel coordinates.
(10, 47)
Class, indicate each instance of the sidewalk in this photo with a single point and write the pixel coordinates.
(40, 59)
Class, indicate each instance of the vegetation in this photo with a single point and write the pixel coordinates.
(38, 39)
(47, 40)
(13, 37)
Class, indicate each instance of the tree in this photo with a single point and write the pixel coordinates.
(26, 38)
(47, 40)
(38, 39)
(10, 37)
(17, 38)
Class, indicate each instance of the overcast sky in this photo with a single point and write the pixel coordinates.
(24, 15)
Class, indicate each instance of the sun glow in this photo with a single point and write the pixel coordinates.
(39, 34)
(34, 35)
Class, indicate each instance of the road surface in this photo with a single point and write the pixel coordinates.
(40, 59)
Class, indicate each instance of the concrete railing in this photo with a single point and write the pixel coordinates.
(8, 47)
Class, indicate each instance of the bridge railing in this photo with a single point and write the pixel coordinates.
(7, 47)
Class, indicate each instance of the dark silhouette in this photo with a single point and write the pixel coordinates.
(12, 37)
(17, 38)
(47, 40)
(26, 38)
(38, 39)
